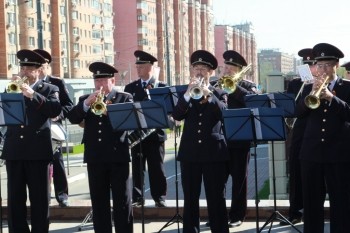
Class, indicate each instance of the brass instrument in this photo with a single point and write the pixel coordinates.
(228, 82)
(99, 107)
(312, 101)
(15, 85)
(196, 91)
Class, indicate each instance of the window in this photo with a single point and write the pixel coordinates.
(31, 41)
(30, 22)
(12, 38)
(96, 34)
(76, 47)
(75, 31)
(108, 46)
(76, 63)
(62, 10)
(12, 59)
(11, 19)
(63, 28)
(96, 49)
(109, 59)
(74, 15)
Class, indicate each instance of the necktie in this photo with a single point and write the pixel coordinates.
(144, 84)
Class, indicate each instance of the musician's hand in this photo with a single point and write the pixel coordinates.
(27, 91)
(91, 99)
(206, 91)
(194, 81)
(326, 94)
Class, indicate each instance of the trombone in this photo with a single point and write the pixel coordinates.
(99, 107)
(15, 85)
(228, 83)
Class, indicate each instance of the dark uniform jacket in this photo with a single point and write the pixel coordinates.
(33, 141)
(299, 124)
(139, 94)
(327, 132)
(101, 143)
(65, 101)
(202, 138)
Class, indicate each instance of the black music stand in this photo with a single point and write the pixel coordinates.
(12, 112)
(171, 96)
(286, 103)
(149, 114)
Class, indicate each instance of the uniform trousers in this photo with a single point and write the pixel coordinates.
(214, 175)
(152, 152)
(238, 164)
(106, 179)
(59, 177)
(295, 187)
(34, 175)
(316, 179)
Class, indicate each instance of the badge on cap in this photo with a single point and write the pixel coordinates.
(200, 59)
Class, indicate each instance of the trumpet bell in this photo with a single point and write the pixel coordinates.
(228, 84)
(13, 88)
(98, 108)
(312, 101)
(15, 85)
(196, 93)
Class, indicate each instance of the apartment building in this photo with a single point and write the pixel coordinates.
(241, 39)
(75, 32)
(78, 32)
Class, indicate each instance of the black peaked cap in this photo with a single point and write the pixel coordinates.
(234, 58)
(102, 70)
(144, 58)
(307, 55)
(204, 57)
(324, 51)
(44, 54)
(30, 58)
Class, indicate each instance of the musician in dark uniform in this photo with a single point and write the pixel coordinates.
(106, 153)
(347, 70)
(28, 150)
(203, 152)
(59, 174)
(324, 155)
(153, 149)
(295, 136)
(239, 151)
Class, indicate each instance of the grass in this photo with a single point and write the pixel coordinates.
(77, 149)
(265, 190)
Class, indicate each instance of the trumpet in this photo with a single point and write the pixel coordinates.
(196, 91)
(99, 107)
(312, 101)
(228, 82)
(15, 85)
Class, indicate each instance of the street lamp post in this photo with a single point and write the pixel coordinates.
(39, 25)
(167, 44)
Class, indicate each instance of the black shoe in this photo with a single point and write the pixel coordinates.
(63, 203)
(234, 224)
(138, 203)
(293, 220)
(160, 203)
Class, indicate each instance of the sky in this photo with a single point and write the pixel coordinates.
(290, 25)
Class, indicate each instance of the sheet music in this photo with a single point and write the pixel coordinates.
(257, 123)
(272, 100)
(140, 114)
(2, 117)
(305, 73)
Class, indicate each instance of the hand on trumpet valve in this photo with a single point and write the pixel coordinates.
(92, 98)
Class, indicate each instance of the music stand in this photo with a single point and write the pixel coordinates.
(12, 112)
(286, 103)
(258, 124)
(149, 114)
(171, 95)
